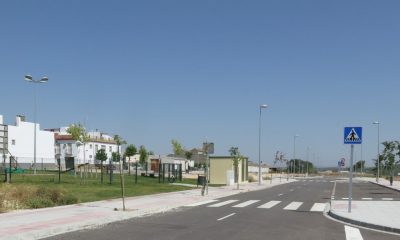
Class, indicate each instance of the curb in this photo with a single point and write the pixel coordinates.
(364, 224)
(395, 189)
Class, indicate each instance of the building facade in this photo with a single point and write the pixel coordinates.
(21, 145)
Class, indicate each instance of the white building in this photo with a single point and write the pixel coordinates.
(153, 162)
(21, 144)
(74, 152)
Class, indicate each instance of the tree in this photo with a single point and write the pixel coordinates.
(143, 155)
(237, 157)
(359, 165)
(130, 151)
(388, 156)
(177, 148)
(117, 157)
(101, 155)
(79, 134)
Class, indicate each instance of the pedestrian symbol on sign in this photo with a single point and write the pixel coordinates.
(353, 135)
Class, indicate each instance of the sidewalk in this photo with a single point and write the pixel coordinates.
(41, 223)
(379, 215)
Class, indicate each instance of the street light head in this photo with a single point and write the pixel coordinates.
(28, 78)
(44, 79)
(297, 135)
(263, 106)
(376, 122)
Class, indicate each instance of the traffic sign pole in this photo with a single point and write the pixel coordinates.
(351, 177)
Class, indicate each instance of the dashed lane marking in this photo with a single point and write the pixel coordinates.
(230, 215)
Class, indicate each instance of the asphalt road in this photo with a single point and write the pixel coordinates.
(242, 218)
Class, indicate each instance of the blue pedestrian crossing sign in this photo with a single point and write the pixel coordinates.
(352, 135)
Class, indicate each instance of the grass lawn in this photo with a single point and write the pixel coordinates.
(92, 190)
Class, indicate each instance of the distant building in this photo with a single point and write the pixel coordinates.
(75, 152)
(21, 145)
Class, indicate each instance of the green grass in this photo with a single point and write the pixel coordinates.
(92, 190)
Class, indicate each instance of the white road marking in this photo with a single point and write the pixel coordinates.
(318, 207)
(291, 190)
(280, 194)
(200, 203)
(366, 198)
(270, 204)
(345, 198)
(223, 203)
(230, 215)
(245, 204)
(352, 233)
(293, 206)
(387, 199)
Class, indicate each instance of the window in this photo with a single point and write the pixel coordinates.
(96, 147)
(90, 146)
(110, 148)
(13, 142)
(90, 156)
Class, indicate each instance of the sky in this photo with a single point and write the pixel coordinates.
(196, 71)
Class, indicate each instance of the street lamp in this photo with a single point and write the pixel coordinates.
(294, 150)
(377, 159)
(259, 144)
(29, 78)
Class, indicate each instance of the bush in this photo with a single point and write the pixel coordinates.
(39, 202)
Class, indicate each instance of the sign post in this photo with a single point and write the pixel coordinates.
(352, 135)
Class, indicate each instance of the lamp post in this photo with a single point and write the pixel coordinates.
(377, 158)
(29, 78)
(294, 150)
(259, 144)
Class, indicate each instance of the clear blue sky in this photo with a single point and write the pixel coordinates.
(152, 71)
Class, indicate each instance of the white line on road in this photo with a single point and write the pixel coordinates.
(291, 190)
(387, 199)
(352, 233)
(280, 194)
(245, 204)
(318, 207)
(366, 198)
(270, 204)
(200, 203)
(293, 206)
(223, 203)
(230, 215)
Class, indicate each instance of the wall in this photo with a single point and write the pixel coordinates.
(21, 144)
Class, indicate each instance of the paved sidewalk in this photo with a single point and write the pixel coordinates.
(41, 223)
(379, 215)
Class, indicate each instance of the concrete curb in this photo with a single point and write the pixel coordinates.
(364, 224)
(395, 189)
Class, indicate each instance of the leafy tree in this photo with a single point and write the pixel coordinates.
(177, 148)
(143, 155)
(359, 165)
(151, 152)
(188, 155)
(391, 150)
(78, 133)
(237, 157)
(130, 151)
(101, 155)
(117, 157)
